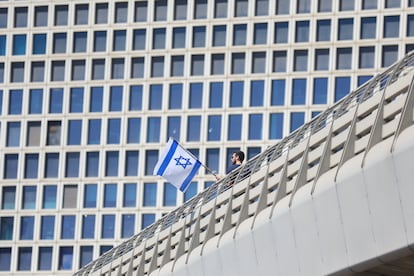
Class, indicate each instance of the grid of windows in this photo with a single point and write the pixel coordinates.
(123, 77)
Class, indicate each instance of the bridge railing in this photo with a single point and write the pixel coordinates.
(380, 108)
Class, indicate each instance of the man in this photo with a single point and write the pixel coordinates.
(237, 159)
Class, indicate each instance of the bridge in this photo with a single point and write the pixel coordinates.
(334, 197)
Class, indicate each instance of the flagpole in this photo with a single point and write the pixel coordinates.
(207, 168)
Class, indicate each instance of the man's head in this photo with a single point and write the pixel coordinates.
(237, 157)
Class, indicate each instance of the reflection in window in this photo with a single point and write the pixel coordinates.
(88, 226)
(8, 198)
(49, 197)
(65, 258)
(29, 197)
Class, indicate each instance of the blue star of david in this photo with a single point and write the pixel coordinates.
(183, 162)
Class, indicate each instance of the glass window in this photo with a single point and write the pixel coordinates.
(302, 31)
(279, 61)
(346, 5)
(151, 158)
(139, 39)
(344, 58)
(180, 9)
(368, 27)
(262, 7)
(68, 227)
(39, 44)
(255, 126)
(278, 92)
(58, 70)
(70, 196)
(59, 43)
(31, 165)
(128, 225)
(114, 130)
(119, 42)
(65, 258)
(92, 164)
(220, 9)
(78, 70)
(303, 6)
(11, 162)
(389, 55)
(135, 97)
(52, 165)
(321, 59)
(1, 81)
(217, 64)
(47, 228)
(121, 12)
(392, 4)
(55, 100)
(17, 72)
(236, 93)
(320, 91)
(191, 191)
(108, 227)
(45, 258)
(3, 46)
(410, 25)
(3, 18)
(99, 41)
(130, 195)
(369, 4)
(147, 220)
(88, 226)
(5, 258)
(238, 63)
(40, 16)
(260, 33)
(94, 131)
(177, 66)
(199, 36)
(157, 66)
(155, 97)
(81, 14)
(200, 9)
(101, 13)
(72, 164)
(153, 129)
(79, 42)
(131, 163)
(366, 57)
(141, 10)
(13, 134)
(239, 34)
(323, 30)
(29, 197)
(26, 227)
(170, 195)
(61, 15)
(134, 130)
(8, 198)
(24, 262)
(37, 73)
(173, 127)
(175, 96)
(391, 26)
(115, 98)
(257, 93)
(6, 228)
(282, 7)
(160, 10)
(342, 87)
(281, 32)
(258, 62)
(325, 5)
(216, 95)
(297, 119)
(112, 160)
(298, 91)
(49, 197)
(212, 158)
(300, 60)
(179, 39)
(345, 29)
(150, 194)
(19, 44)
(86, 255)
(137, 67)
(235, 127)
(241, 8)
(53, 133)
(276, 126)
(117, 68)
(219, 35)
(214, 128)
(197, 65)
(363, 79)
(196, 95)
(20, 17)
(95, 100)
(193, 128)
(158, 40)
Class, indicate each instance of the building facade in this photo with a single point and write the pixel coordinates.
(90, 91)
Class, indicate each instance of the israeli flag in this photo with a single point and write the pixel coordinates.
(177, 165)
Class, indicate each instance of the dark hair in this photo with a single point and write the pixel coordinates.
(240, 154)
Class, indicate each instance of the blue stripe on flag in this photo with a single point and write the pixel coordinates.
(167, 158)
(190, 176)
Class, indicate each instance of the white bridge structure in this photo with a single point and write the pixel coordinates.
(334, 197)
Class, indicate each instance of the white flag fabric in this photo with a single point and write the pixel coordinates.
(177, 165)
